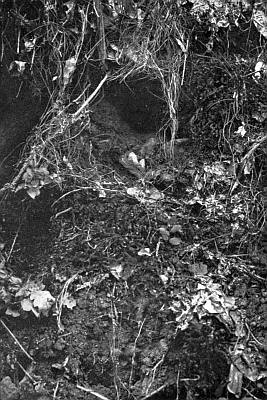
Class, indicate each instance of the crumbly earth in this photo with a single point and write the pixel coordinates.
(131, 268)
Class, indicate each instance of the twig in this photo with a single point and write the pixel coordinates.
(56, 390)
(26, 372)
(253, 148)
(155, 391)
(177, 384)
(16, 340)
(134, 351)
(251, 395)
(185, 59)
(13, 243)
(68, 193)
(101, 31)
(88, 390)
(60, 301)
(92, 95)
(81, 94)
(244, 160)
(154, 370)
(114, 319)
(62, 212)
(261, 345)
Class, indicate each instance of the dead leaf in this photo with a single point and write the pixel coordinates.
(70, 66)
(116, 270)
(235, 381)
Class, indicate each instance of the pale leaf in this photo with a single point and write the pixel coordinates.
(69, 302)
(42, 300)
(33, 192)
(12, 312)
(235, 381)
(116, 270)
(145, 252)
(69, 68)
(132, 157)
(26, 305)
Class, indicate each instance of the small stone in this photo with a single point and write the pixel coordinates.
(164, 278)
(175, 241)
(165, 234)
(59, 345)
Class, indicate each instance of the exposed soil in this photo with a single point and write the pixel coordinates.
(123, 338)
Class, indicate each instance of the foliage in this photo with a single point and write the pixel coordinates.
(17, 298)
(189, 218)
(35, 178)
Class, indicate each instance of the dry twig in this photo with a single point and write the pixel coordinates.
(16, 340)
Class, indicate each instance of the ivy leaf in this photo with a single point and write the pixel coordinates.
(26, 305)
(12, 312)
(42, 300)
(69, 302)
(33, 192)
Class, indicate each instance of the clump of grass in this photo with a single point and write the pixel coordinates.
(157, 47)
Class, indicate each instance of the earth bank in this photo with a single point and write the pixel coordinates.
(126, 280)
(133, 263)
